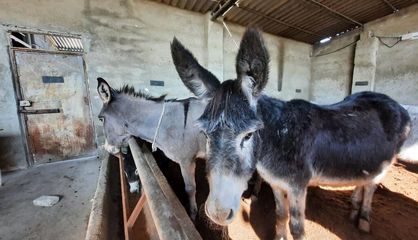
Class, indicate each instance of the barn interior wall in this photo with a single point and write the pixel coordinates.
(289, 64)
(393, 71)
(127, 42)
(396, 67)
(332, 71)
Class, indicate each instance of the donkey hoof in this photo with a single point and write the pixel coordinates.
(280, 237)
(354, 215)
(299, 237)
(364, 225)
(281, 234)
(193, 214)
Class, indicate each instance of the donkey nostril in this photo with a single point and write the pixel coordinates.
(231, 214)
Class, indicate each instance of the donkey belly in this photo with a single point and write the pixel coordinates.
(343, 166)
(344, 158)
(364, 178)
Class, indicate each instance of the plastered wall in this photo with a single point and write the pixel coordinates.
(127, 42)
(392, 71)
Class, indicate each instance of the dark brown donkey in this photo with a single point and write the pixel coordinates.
(290, 144)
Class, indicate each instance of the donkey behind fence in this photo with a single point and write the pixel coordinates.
(290, 144)
(168, 124)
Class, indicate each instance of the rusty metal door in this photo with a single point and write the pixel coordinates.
(55, 105)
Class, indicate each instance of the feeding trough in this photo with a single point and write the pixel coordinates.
(169, 216)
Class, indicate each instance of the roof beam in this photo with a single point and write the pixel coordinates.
(278, 21)
(390, 5)
(334, 12)
(223, 9)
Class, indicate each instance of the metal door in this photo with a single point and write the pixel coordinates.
(55, 105)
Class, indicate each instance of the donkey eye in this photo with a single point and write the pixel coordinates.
(101, 119)
(248, 136)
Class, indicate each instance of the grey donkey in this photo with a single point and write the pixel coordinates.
(127, 113)
(293, 144)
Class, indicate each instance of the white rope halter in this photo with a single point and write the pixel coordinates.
(153, 147)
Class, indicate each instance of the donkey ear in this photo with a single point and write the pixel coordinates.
(104, 90)
(252, 63)
(197, 79)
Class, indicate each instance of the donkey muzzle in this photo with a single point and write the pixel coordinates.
(220, 216)
(111, 149)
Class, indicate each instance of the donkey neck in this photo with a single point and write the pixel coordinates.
(141, 116)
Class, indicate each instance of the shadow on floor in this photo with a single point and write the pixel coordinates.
(394, 215)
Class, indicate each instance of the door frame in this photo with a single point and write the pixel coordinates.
(18, 92)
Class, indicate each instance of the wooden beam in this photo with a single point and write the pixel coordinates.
(223, 9)
(170, 217)
(334, 12)
(124, 193)
(137, 210)
(390, 5)
(278, 21)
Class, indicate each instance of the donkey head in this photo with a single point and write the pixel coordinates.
(115, 130)
(229, 121)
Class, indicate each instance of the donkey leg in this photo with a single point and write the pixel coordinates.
(188, 173)
(257, 187)
(281, 214)
(297, 201)
(366, 207)
(356, 198)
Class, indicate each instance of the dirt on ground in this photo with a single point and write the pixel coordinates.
(73, 181)
(394, 216)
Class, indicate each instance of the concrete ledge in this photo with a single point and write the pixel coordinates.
(97, 228)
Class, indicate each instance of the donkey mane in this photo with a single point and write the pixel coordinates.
(130, 90)
(220, 113)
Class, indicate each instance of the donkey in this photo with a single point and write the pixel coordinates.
(130, 171)
(291, 144)
(126, 113)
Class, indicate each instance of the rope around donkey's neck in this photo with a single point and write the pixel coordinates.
(153, 147)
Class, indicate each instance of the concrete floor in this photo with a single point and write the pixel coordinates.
(74, 181)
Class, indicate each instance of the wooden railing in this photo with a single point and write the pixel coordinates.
(169, 216)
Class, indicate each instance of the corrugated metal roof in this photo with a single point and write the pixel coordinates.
(303, 20)
(201, 6)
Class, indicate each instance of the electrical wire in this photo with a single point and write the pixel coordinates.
(230, 34)
(336, 50)
(399, 39)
